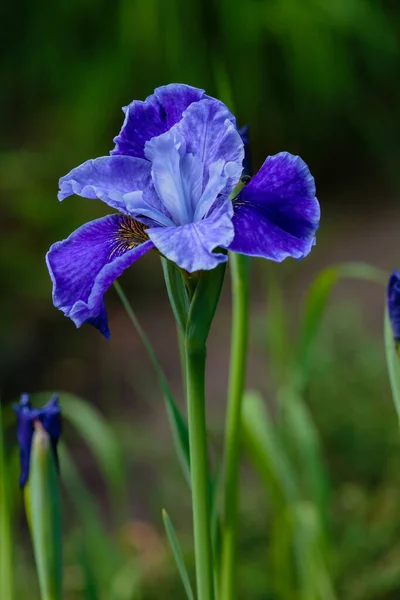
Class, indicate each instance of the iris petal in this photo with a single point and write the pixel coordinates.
(158, 113)
(108, 178)
(276, 215)
(209, 129)
(83, 266)
(192, 246)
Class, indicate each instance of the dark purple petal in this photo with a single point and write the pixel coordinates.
(393, 300)
(49, 416)
(210, 132)
(109, 178)
(158, 113)
(192, 246)
(84, 266)
(276, 215)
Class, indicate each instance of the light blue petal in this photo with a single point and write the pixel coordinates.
(192, 246)
(209, 130)
(177, 176)
(107, 178)
(138, 206)
(216, 183)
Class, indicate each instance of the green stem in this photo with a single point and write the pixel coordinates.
(240, 271)
(195, 377)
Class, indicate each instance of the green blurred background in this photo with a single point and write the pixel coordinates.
(317, 78)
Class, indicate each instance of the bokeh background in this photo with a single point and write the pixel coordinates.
(317, 78)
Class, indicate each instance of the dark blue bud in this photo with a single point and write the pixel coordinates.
(49, 416)
(393, 298)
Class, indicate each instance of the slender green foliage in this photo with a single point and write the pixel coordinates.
(177, 552)
(178, 423)
(42, 500)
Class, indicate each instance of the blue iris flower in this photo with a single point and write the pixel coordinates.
(393, 298)
(50, 418)
(175, 164)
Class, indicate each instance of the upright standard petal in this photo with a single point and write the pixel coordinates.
(158, 113)
(177, 176)
(192, 247)
(83, 266)
(276, 215)
(393, 300)
(209, 129)
(109, 179)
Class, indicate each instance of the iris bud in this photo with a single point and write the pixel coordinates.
(38, 433)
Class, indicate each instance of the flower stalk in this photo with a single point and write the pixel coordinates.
(195, 378)
(240, 273)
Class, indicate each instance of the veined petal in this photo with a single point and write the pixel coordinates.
(192, 246)
(151, 211)
(177, 176)
(276, 215)
(215, 185)
(158, 113)
(108, 178)
(83, 266)
(186, 178)
(209, 129)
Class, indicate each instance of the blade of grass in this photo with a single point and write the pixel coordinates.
(266, 451)
(178, 424)
(303, 443)
(177, 552)
(101, 554)
(317, 298)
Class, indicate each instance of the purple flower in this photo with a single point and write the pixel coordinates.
(49, 416)
(393, 298)
(176, 161)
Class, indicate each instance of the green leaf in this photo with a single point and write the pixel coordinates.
(393, 362)
(7, 568)
(266, 451)
(178, 424)
(203, 306)
(177, 292)
(177, 552)
(100, 556)
(317, 298)
(304, 445)
(314, 581)
(279, 341)
(126, 582)
(42, 500)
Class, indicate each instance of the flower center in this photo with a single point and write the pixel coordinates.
(130, 234)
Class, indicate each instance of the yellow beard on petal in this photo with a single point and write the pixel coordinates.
(130, 234)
